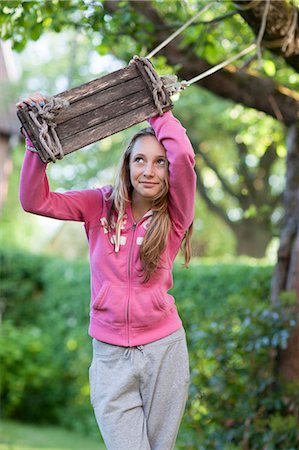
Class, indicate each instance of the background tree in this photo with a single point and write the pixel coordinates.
(145, 24)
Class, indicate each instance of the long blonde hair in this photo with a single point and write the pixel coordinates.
(155, 238)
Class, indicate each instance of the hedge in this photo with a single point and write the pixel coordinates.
(235, 402)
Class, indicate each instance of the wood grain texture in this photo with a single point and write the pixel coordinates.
(98, 109)
(112, 126)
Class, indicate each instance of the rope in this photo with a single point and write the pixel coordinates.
(288, 44)
(221, 65)
(161, 85)
(171, 83)
(176, 33)
(262, 31)
(43, 118)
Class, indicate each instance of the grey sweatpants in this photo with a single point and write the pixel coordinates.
(139, 393)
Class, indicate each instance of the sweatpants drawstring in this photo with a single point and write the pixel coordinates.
(140, 347)
(129, 350)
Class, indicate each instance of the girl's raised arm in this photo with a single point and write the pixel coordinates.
(182, 178)
(35, 194)
(36, 197)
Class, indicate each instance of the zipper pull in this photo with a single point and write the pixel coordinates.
(134, 226)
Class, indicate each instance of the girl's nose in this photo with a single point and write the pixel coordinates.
(148, 170)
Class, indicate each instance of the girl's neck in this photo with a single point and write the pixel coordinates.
(139, 207)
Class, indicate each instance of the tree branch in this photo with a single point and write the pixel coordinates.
(282, 30)
(226, 187)
(210, 204)
(200, 22)
(268, 159)
(239, 86)
(248, 180)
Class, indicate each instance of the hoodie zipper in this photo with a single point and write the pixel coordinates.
(129, 275)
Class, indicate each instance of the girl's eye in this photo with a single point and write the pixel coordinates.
(161, 162)
(138, 159)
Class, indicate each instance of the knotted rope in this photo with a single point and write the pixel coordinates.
(161, 85)
(44, 119)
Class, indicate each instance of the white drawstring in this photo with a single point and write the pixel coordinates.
(129, 350)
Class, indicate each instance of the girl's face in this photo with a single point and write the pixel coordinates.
(148, 168)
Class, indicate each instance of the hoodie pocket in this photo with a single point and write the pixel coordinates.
(101, 295)
(148, 306)
(109, 305)
(166, 301)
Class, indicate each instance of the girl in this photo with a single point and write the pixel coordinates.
(139, 374)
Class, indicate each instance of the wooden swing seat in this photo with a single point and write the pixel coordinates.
(98, 109)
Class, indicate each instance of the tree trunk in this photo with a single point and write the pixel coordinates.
(286, 276)
(252, 238)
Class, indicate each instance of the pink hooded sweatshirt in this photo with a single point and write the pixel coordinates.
(124, 310)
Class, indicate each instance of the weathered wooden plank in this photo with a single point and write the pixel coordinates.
(100, 115)
(101, 98)
(99, 84)
(99, 109)
(110, 127)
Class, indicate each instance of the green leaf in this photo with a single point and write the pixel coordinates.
(269, 68)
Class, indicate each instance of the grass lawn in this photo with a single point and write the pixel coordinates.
(23, 436)
(20, 436)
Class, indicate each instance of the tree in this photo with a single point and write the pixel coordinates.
(146, 24)
(138, 19)
(281, 29)
(264, 95)
(236, 171)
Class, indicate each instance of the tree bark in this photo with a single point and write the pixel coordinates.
(253, 238)
(286, 276)
(282, 31)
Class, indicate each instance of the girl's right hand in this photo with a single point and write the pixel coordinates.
(31, 100)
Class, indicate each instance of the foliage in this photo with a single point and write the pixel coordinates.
(45, 370)
(96, 164)
(87, 28)
(236, 399)
(236, 181)
(233, 337)
(24, 21)
(25, 353)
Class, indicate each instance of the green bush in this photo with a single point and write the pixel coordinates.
(45, 303)
(27, 367)
(21, 286)
(235, 402)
